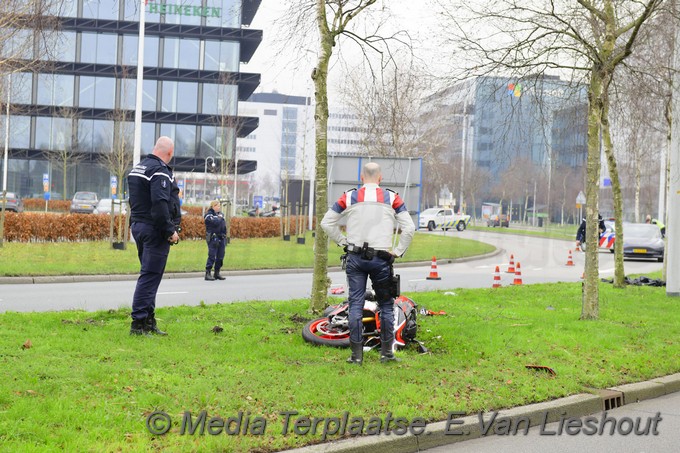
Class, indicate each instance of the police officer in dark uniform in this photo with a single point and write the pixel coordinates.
(371, 212)
(216, 236)
(581, 232)
(154, 218)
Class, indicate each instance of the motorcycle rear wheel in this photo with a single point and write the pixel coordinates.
(318, 331)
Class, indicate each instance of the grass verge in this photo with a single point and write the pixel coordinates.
(77, 258)
(85, 385)
(567, 232)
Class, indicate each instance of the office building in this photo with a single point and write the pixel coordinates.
(81, 104)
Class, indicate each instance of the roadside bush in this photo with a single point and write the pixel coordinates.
(193, 210)
(38, 204)
(56, 227)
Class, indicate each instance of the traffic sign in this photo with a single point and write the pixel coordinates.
(581, 198)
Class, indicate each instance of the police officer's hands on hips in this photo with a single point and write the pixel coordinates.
(174, 239)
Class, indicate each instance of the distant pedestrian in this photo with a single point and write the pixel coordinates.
(662, 227)
(216, 236)
(581, 232)
(154, 220)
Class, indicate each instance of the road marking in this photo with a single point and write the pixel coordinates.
(537, 269)
(486, 266)
(174, 292)
(604, 271)
(417, 280)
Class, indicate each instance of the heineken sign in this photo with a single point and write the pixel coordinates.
(183, 10)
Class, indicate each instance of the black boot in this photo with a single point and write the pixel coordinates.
(357, 353)
(151, 327)
(387, 351)
(218, 276)
(137, 327)
(208, 276)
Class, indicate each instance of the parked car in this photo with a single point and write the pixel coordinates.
(12, 203)
(104, 207)
(444, 218)
(496, 220)
(642, 240)
(84, 202)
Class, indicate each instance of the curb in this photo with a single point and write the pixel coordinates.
(125, 277)
(442, 433)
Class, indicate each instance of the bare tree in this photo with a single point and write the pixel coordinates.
(333, 21)
(229, 126)
(591, 38)
(118, 160)
(388, 106)
(64, 152)
(28, 36)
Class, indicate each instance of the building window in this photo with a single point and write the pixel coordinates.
(270, 112)
(229, 14)
(97, 92)
(22, 84)
(185, 140)
(98, 9)
(129, 93)
(19, 131)
(150, 50)
(221, 56)
(98, 48)
(181, 53)
(220, 99)
(55, 89)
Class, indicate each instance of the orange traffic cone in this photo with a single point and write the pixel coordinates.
(511, 266)
(518, 275)
(570, 260)
(578, 248)
(433, 271)
(497, 278)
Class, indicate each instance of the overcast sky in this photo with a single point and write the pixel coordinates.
(287, 69)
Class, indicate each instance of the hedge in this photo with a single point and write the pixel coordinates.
(55, 227)
(38, 204)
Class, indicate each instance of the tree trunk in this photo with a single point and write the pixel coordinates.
(320, 282)
(619, 273)
(590, 300)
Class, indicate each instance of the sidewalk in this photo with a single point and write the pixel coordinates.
(466, 428)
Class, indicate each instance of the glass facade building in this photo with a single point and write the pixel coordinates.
(82, 100)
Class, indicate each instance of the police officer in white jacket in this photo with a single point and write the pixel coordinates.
(371, 212)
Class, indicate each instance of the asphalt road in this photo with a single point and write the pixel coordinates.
(541, 260)
(667, 438)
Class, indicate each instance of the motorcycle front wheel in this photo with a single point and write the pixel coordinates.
(320, 332)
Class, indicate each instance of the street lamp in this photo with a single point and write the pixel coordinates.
(205, 177)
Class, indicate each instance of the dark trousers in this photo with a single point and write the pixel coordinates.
(152, 250)
(215, 254)
(358, 272)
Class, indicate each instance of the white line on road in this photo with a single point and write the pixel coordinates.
(173, 292)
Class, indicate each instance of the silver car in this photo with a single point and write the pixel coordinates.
(104, 206)
(13, 202)
(84, 202)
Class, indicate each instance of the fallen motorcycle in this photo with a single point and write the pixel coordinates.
(333, 328)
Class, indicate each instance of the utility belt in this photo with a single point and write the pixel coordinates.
(387, 288)
(212, 236)
(367, 253)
